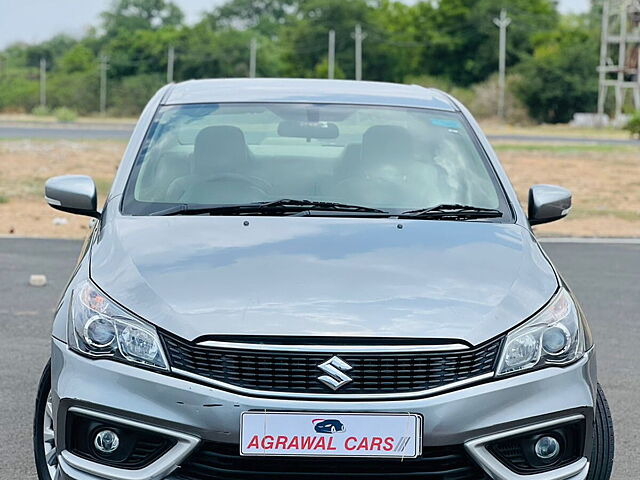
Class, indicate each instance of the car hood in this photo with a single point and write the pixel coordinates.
(322, 276)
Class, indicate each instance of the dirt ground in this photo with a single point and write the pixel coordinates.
(24, 167)
(605, 182)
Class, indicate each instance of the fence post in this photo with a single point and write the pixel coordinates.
(103, 84)
(171, 58)
(252, 57)
(43, 82)
(331, 58)
(358, 39)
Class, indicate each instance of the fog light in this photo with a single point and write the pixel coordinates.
(547, 448)
(106, 441)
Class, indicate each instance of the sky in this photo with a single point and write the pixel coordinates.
(33, 21)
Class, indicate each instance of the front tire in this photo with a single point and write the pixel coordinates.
(603, 440)
(44, 442)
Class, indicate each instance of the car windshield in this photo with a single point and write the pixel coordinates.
(392, 159)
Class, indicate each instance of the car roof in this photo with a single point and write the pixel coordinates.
(289, 90)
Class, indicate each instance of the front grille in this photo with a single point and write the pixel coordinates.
(221, 461)
(298, 372)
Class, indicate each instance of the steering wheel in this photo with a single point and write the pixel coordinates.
(255, 185)
(369, 190)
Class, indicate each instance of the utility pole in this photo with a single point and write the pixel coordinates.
(252, 58)
(171, 54)
(358, 36)
(43, 82)
(103, 84)
(331, 58)
(604, 48)
(502, 23)
(622, 60)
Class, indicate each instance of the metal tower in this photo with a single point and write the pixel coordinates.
(620, 53)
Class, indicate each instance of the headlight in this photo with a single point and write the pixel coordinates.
(555, 336)
(98, 327)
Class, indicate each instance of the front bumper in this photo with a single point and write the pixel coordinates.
(194, 412)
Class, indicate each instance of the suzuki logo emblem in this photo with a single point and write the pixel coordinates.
(335, 368)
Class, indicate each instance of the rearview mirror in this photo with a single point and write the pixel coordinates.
(320, 130)
(548, 203)
(73, 194)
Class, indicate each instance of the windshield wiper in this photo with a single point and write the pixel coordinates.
(187, 209)
(284, 205)
(316, 205)
(453, 211)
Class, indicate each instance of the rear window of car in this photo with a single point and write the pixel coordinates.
(390, 158)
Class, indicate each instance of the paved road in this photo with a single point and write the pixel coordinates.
(71, 132)
(83, 132)
(605, 277)
(557, 139)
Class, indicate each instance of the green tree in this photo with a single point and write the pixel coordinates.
(130, 94)
(384, 53)
(132, 15)
(392, 54)
(461, 41)
(203, 52)
(560, 78)
(77, 59)
(78, 91)
(263, 16)
(50, 50)
(140, 52)
(306, 39)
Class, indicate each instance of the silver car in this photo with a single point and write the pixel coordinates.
(316, 279)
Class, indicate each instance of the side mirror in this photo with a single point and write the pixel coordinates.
(73, 194)
(548, 203)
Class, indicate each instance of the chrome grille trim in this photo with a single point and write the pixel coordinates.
(334, 348)
(333, 396)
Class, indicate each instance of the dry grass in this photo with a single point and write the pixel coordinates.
(605, 182)
(24, 167)
(493, 127)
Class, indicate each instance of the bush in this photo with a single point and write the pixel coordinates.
(40, 111)
(129, 96)
(18, 92)
(482, 98)
(64, 114)
(558, 79)
(484, 101)
(633, 125)
(79, 91)
(464, 95)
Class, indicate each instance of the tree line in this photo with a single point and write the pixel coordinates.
(451, 44)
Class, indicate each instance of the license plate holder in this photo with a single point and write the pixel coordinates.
(322, 434)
